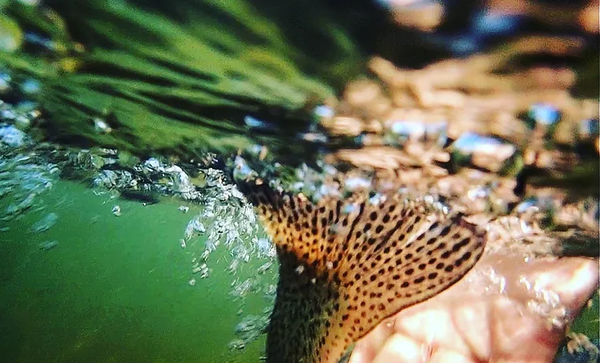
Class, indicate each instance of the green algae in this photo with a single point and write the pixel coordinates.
(180, 79)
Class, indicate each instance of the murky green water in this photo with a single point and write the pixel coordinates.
(115, 289)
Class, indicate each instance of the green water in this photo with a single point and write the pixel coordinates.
(115, 289)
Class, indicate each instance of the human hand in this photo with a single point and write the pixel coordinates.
(504, 310)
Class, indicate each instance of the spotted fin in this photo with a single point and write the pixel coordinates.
(347, 265)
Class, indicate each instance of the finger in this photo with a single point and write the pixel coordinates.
(444, 355)
(520, 336)
(367, 348)
(551, 289)
(401, 349)
(534, 298)
(549, 294)
(544, 287)
(572, 279)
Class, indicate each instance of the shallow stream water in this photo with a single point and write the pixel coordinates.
(181, 271)
(116, 288)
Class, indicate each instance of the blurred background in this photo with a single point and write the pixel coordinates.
(199, 68)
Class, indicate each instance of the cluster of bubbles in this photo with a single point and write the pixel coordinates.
(225, 221)
(248, 330)
(23, 180)
(24, 177)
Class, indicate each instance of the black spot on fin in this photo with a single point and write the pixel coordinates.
(347, 265)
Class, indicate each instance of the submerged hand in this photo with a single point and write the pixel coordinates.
(504, 322)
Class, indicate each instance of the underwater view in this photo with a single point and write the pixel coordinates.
(311, 181)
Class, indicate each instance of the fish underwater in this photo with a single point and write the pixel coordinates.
(347, 264)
